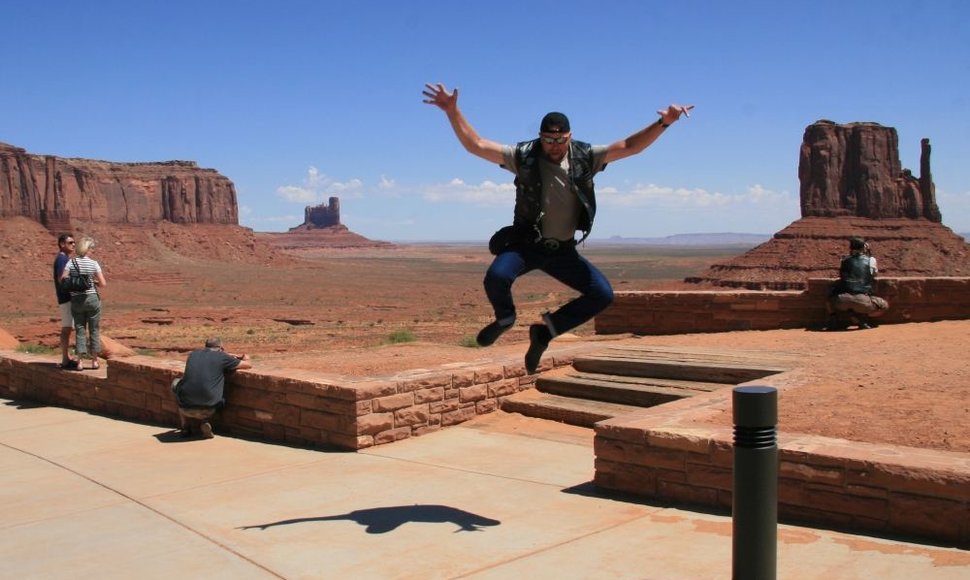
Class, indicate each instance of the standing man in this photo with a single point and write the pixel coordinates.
(554, 198)
(65, 246)
(200, 391)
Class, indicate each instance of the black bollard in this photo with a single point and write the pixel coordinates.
(755, 495)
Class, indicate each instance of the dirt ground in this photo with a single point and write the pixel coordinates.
(371, 311)
(903, 384)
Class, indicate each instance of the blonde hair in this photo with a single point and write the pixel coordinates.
(84, 246)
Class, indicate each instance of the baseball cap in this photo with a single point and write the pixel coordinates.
(554, 123)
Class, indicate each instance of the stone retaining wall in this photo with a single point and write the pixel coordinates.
(287, 406)
(681, 312)
(670, 453)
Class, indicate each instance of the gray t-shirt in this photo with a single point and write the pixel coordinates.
(205, 380)
(560, 206)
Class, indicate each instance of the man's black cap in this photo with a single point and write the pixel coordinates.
(857, 244)
(554, 123)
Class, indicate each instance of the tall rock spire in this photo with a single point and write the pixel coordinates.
(852, 184)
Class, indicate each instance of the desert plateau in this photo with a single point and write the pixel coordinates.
(377, 309)
(170, 286)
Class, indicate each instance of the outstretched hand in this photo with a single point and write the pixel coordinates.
(439, 96)
(673, 112)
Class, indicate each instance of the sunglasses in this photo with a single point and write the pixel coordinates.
(554, 140)
(70, 243)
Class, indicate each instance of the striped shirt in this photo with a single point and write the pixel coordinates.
(87, 267)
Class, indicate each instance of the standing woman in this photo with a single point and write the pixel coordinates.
(86, 304)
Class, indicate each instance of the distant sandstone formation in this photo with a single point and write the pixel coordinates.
(56, 190)
(320, 216)
(854, 170)
(86, 195)
(321, 228)
(852, 184)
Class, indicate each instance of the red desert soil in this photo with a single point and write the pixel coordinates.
(339, 311)
(903, 384)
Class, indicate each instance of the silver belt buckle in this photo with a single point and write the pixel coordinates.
(551, 244)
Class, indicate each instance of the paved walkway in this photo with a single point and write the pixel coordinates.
(84, 496)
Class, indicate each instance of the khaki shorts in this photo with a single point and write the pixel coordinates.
(192, 413)
(873, 306)
(67, 319)
(197, 413)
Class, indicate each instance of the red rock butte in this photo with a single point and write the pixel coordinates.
(61, 193)
(56, 191)
(852, 184)
(321, 227)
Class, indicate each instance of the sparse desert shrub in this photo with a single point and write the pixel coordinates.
(36, 349)
(401, 335)
(468, 342)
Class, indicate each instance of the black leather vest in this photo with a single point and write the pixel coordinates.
(855, 274)
(528, 185)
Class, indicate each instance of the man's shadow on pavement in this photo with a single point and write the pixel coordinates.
(386, 519)
(174, 436)
(24, 404)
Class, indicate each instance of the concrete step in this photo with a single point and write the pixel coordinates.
(701, 365)
(580, 412)
(625, 390)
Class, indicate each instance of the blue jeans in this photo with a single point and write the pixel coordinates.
(86, 309)
(565, 265)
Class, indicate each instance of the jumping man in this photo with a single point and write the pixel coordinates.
(554, 198)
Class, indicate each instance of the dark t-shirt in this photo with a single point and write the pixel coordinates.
(59, 262)
(205, 379)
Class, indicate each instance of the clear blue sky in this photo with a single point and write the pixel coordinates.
(297, 101)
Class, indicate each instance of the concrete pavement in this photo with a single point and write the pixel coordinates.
(502, 496)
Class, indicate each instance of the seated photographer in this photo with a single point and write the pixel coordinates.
(851, 301)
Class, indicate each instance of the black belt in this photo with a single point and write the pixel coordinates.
(554, 245)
